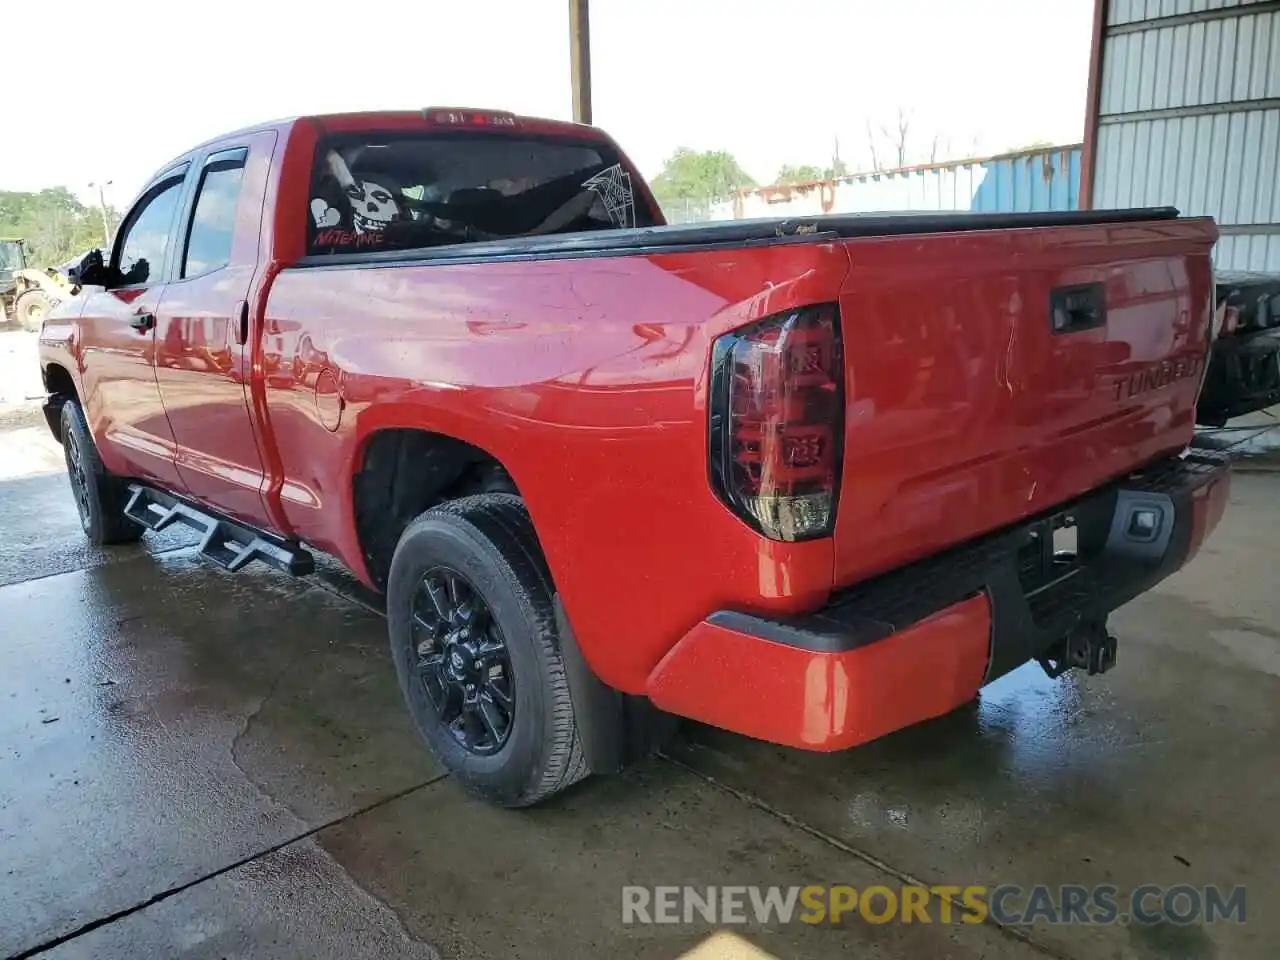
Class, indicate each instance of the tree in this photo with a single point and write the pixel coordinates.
(838, 167)
(940, 149)
(700, 176)
(804, 173)
(871, 145)
(897, 136)
(55, 224)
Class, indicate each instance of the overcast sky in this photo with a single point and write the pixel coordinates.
(773, 81)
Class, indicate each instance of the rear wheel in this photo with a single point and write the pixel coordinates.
(473, 635)
(31, 308)
(100, 496)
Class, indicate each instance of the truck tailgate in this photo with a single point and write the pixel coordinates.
(966, 410)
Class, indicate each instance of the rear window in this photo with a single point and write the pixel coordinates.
(398, 192)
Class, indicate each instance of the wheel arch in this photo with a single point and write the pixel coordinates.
(399, 470)
(60, 385)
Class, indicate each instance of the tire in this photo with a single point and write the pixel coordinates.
(487, 544)
(100, 496)
(31, 308)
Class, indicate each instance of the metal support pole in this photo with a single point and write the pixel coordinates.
(102, 205)
(1092, 105)
(580, 58)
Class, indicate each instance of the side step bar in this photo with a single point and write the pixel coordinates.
(228, 544)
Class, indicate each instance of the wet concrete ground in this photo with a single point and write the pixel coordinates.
(196, 764)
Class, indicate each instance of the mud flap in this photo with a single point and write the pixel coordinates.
(615, 728)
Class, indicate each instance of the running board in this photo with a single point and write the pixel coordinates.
(229, 544)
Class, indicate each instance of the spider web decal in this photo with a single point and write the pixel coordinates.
(613, 186)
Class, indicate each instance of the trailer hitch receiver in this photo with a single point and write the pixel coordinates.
(1088, 646)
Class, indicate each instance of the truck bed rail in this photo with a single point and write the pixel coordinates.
(684, 237)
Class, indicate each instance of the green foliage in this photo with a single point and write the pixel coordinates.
(55, 225)
(838, 168)
(805, 173)
(808, 172)
(699, 175)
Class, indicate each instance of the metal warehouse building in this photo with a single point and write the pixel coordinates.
(1184, 109)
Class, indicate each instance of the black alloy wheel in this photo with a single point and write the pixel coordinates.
(462, 661)
(76, 475)
(100, 495)
(468, 578)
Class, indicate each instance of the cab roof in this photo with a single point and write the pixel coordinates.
(428, 118)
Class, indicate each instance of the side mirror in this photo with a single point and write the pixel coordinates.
(91, 270)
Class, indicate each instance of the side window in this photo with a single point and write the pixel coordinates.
(146, 238)
(213, 222)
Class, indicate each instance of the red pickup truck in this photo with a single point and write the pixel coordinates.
(809, 480)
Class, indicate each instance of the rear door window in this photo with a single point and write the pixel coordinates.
(376, 192)
(213, 220)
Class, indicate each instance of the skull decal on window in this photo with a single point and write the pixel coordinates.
(373, 206)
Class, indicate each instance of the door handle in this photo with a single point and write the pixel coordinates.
(242, 323)
(1079, 307)
(143, 322)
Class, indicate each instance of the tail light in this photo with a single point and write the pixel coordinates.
(776, 422)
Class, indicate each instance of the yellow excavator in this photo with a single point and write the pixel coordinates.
(27, 294)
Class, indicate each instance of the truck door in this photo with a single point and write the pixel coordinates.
(118, 341)
(203, 329)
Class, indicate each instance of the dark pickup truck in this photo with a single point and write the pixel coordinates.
(1244, 367)
(809, 480)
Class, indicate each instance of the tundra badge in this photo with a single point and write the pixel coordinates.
(1157, 376)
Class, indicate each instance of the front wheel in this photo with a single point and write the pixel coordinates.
(100, 496)
(473, 635)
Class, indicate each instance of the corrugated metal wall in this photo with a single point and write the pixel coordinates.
(1189, 115)
(1040, 180)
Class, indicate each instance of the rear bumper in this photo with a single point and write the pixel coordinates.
(921, 640)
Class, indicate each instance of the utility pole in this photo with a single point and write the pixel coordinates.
(102, 204)
(580, 59)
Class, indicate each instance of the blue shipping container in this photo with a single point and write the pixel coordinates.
(1038, 180)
